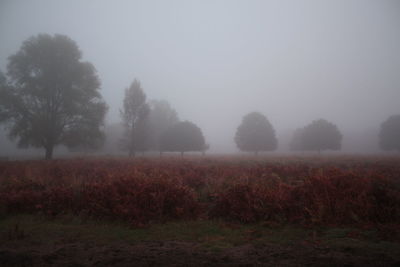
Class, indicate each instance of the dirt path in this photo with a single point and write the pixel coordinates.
(173, 253)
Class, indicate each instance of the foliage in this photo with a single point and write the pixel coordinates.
(390, 134)
(162, 117)
(255, 134)
(134, 117)
(182, 137)
(4, 97)
(158, 190)
(2, 79)
(52, 97)
(321, 135)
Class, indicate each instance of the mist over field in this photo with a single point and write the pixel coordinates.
(199, 133)
(216, 61)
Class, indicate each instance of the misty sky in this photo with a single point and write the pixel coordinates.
(215, 61)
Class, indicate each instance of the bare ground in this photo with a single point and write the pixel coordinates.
(176, 253)
(27, 240)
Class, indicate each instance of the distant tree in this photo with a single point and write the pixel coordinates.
(92, 141)
(182, 137)
(162, 117)
(297, 140)
(143, 131)
(3, 96)
(52, 96)
(321, 135)
(2, 79)
(113, 132)
(134, 115)
(255, 134)
(390, 133)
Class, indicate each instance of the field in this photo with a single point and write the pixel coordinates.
(201, 211)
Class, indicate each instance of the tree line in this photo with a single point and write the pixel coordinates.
(51, 97)
(156, 126)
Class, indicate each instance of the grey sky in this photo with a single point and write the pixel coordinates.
(214, 61)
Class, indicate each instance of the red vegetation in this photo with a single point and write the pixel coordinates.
(153, 190)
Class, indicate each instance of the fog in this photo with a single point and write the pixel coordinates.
(215, 61)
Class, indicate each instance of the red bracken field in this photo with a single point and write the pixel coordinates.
(201, 211)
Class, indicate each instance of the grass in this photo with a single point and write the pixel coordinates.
(209, 234)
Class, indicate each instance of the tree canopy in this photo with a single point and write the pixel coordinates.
(389, 136)
(255, 134)
(134, 117)
(4, 94)
(162, 117)
(321, 135)
(52, 97)
(2, 79)
(182, 137)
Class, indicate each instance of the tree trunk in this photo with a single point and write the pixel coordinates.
(49, 152)
(160, 154)
(256, 153)
(132, 145)
(182, 154)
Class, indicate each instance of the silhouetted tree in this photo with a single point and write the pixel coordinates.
(2, 79)
(3, 96)
(255, 134)
(113, 132)
(297, 140)
(134, 115)
(162, 117)
(321, 135)
(182, 137)
(52, 96)
(92, 141)
(142, 131)
(389, 136)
